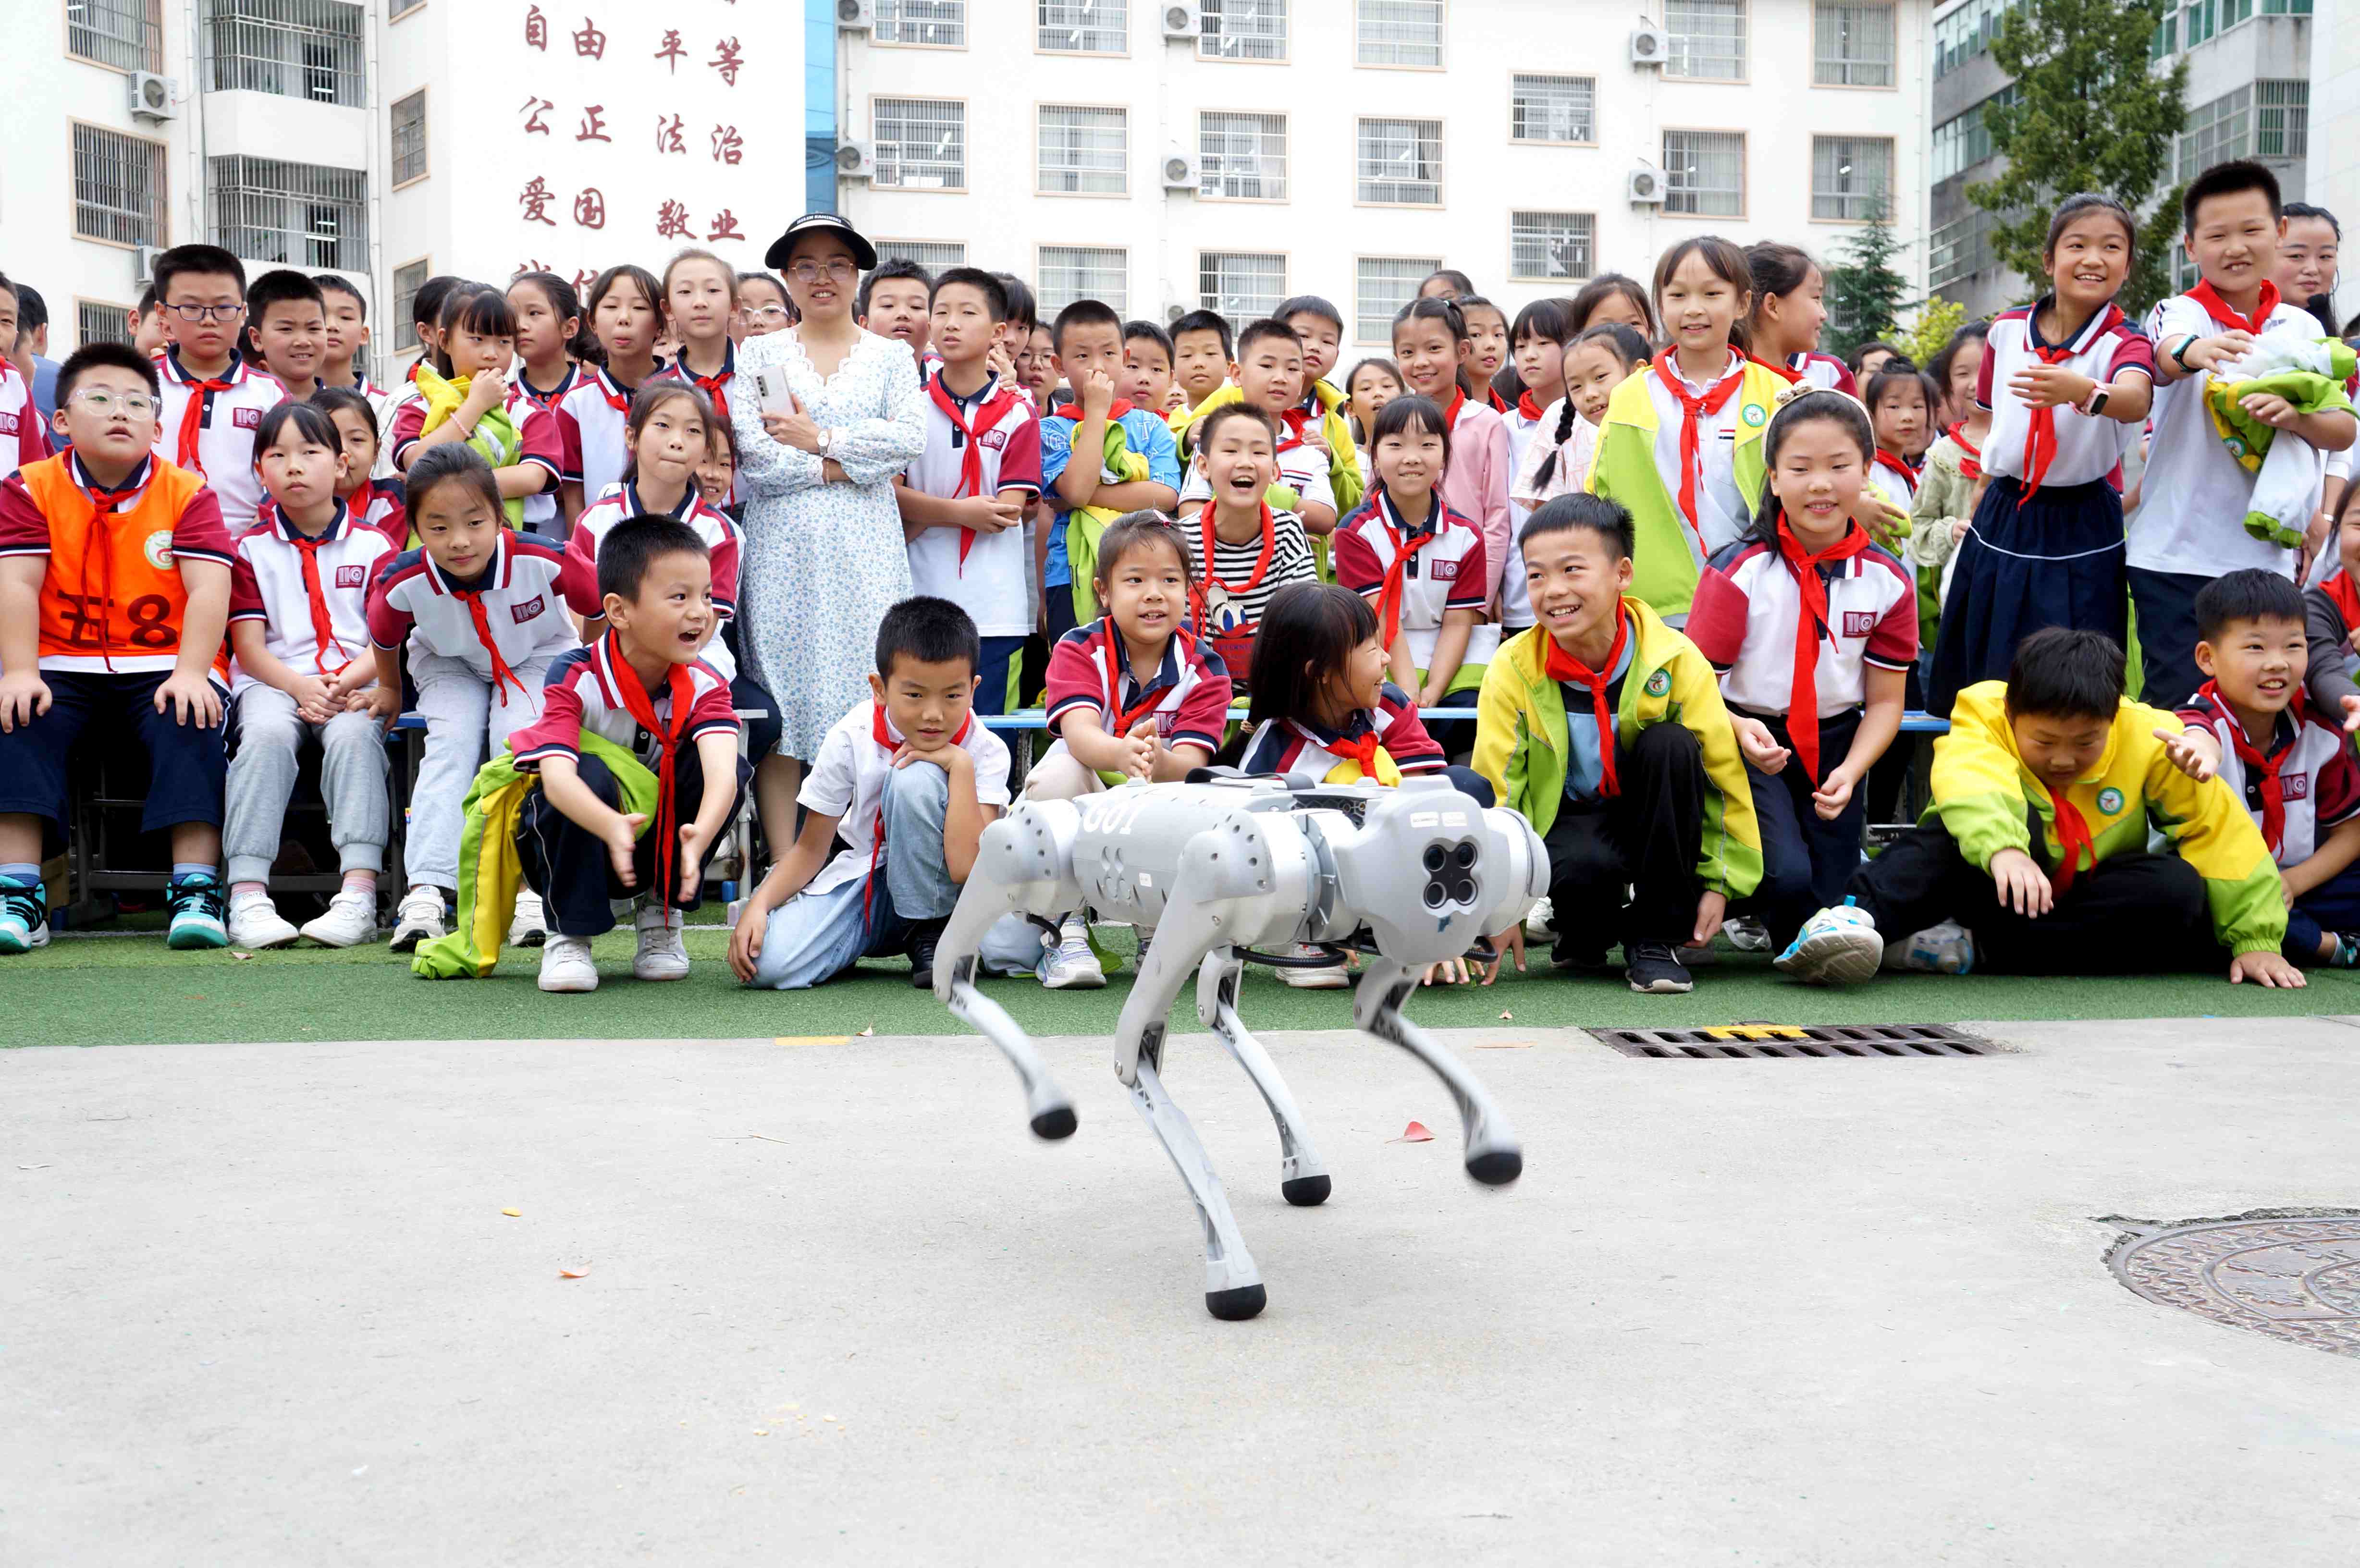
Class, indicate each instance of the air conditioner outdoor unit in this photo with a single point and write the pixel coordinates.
(855, 16)
(1644, 185)
(152, 96)
(1174, 311)
(1179, 171)
(1649, 44)
(1180, 24)
(143, 265)
(856, 161)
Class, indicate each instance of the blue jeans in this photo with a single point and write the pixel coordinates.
(814, 937)
(2332, 906)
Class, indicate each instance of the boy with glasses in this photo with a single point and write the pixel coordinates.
(212, 402)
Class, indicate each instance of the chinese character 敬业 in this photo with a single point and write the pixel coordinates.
(671, 223)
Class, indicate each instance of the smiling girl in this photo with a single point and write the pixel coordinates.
(1430, 345)
(1789, 308)
(465, 396)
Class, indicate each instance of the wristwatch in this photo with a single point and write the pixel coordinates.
(826, 439)
(2096, 403)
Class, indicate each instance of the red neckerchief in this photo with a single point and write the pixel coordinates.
(1115, 411)
(1527, 407)
(1803, 693)
(1362, 749)
(2220, 310)
(2072, 838)
(549, 399)
(610, 389)
(102, 527)
(323, 625)
(1788, 374)
(883, 735)
(717, 385)
(1899, 466)
(970, 481)
(1294, 420)
(2340, 588)
(642, 709)
(1491, 396)
(1972, 466)
(1116, 661)
(503, 675)
(1213, 578)
(193, 417)
(1567, 671)
(2044, 419)
(1388, 597)
(2258, 766)
(1694, 406)
(1457, 402)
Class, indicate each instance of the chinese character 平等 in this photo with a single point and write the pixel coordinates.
(590, 43)
(590, 208)
(671, 223)
(729, 147)
(668, 135)
(535, 200)
(534, 109)
(594, 124)
(728, 60)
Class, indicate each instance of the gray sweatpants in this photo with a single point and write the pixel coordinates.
(262, 776)
(461, 718)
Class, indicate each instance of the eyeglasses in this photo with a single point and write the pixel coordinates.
(839, 269)
(103, 403)
(765, 315)
(207, 312)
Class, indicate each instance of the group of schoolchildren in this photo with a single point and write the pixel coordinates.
(1681, 573)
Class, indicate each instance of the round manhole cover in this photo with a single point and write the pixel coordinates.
(2293, 1278)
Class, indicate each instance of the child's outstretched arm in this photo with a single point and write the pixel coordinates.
(788, 875)
(1085, 736)
(716, 754)
(2211, 830)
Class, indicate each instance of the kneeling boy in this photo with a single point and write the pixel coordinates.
(908, 781)
(640, 688)
(1605, 728)
(2033, 859)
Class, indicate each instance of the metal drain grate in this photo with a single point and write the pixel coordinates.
(1788, 1039)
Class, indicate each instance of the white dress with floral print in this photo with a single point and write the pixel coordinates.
(822, 562)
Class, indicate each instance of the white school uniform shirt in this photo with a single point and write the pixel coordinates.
(1744, 620)
(2194, 496)
(267, 586)
(1302, 468)
(1723, 514)
(721, 543)
(24, 438)
(1824, 371)
(2087, 448)
(583, 695)
(1896, 483)
(990, 585)
(1521, 431)
(226, 422)
(591, 426)
(523, 593)
(847, 782)
(1444, 575)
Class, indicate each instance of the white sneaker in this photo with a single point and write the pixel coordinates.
(350, 919)
(256, 923)
(1838, 946)
(417, 917)
(1071, 965)
(1540, 924)
(1746, 935)
(565, 964)
(1945, 949)
(1325, 978)
(529, 927)
(660, 955)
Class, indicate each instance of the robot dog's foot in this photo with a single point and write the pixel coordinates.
(1242, 1301)
(1304, 1193)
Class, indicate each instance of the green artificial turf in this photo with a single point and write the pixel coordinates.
(121, 990)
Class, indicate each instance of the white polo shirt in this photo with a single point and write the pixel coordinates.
(23, 439)
(990, 585)
(266, 585)
(720, 536)
(1893, 479)
(1447, 574)
(582, 694)
(1722, 512)
(1743, 621)
(847, 782)
(2087, 448)
(522, 592)
(226, 420)
(591, 424)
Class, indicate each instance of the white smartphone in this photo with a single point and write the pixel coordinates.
(771, 388)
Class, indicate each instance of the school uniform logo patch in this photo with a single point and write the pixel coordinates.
(522, 613)
(247, 418)
(1660, 682)
(1445, 571)
(2110, 801)
(2295, 785)
(158, 548)
(1755, 414)
(1858, 623)
(352, 577)
(8, 424)
(992, 440)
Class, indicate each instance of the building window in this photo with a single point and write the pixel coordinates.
(1084, 27)
(1398, 32)
(1068, 273)
(1241, 156)
(1963, 141)
(2281, 119)
(2198, 22)
(2216, 132)
(1852, 45)
(294, 48)
(1967, 31)
(291, 214)
(408, 279)
(1242, 287)
(125, 34)
(118, 187)
(1084, 152)
(1851, 177)
(1707, 40)
(1704, 173)
(2234, 12)
(410, 138)
(921, 143)
(941, 24)
(2165, 41)
(396, 10)
(1550, 245)
(938, 256)
(1552, 109)
(96, 322)
(1958, 249)
(2184, 272)
(1386, 283)
(1241, 29)
(1401, 162)
(2285, 7)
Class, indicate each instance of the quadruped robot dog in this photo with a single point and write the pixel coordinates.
(1228, 869)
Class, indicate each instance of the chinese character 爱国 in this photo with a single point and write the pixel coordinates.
(590, 208)
(535, 200)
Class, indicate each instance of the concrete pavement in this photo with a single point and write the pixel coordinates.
(260, 1305)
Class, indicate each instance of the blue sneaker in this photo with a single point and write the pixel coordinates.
(1838, 946)
(24, 916)
(196, 903)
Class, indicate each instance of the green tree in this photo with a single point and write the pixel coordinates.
(1937, 320)
(1864, 294)
(2089, 113)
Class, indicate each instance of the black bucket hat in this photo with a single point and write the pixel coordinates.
(784, 246)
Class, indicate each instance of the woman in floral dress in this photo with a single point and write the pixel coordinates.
(822, 556)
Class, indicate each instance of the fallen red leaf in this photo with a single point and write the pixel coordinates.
(1416, 1132)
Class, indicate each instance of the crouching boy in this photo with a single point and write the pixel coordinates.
(908, 781)
(2033, 858)
(585, 838)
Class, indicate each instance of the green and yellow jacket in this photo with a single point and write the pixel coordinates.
(1663, 565)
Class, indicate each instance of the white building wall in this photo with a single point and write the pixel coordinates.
(2332, 173)
(1322, 227)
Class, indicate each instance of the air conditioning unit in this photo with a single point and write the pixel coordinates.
(855, 16)
(1180, 24)
(1644, 185)
(856, 161)
(1650, 45)
(143, 265)
(1174, 311)
(1180, 171)
(152, 96)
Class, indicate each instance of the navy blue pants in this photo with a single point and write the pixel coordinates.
(570, 867)
(1805, 859)
(188, 767)
(2332, 906)
(2167, 634)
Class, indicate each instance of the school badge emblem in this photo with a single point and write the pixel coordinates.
(2110, 801)
(1660, 682)
(1754, 414)
(158, 548)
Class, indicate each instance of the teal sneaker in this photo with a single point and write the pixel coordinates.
(196, 904)
(1838, 946)
(24, 916)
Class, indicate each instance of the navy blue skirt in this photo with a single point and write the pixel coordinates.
(2053, 560)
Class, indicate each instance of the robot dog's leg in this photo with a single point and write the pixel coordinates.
(1024, 863)
(1494, 1156)
(1233, 1287)
(1302, 1175)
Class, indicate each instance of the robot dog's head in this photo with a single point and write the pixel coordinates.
(1431, 871)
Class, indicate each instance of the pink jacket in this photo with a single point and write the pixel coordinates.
(1475, 484)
